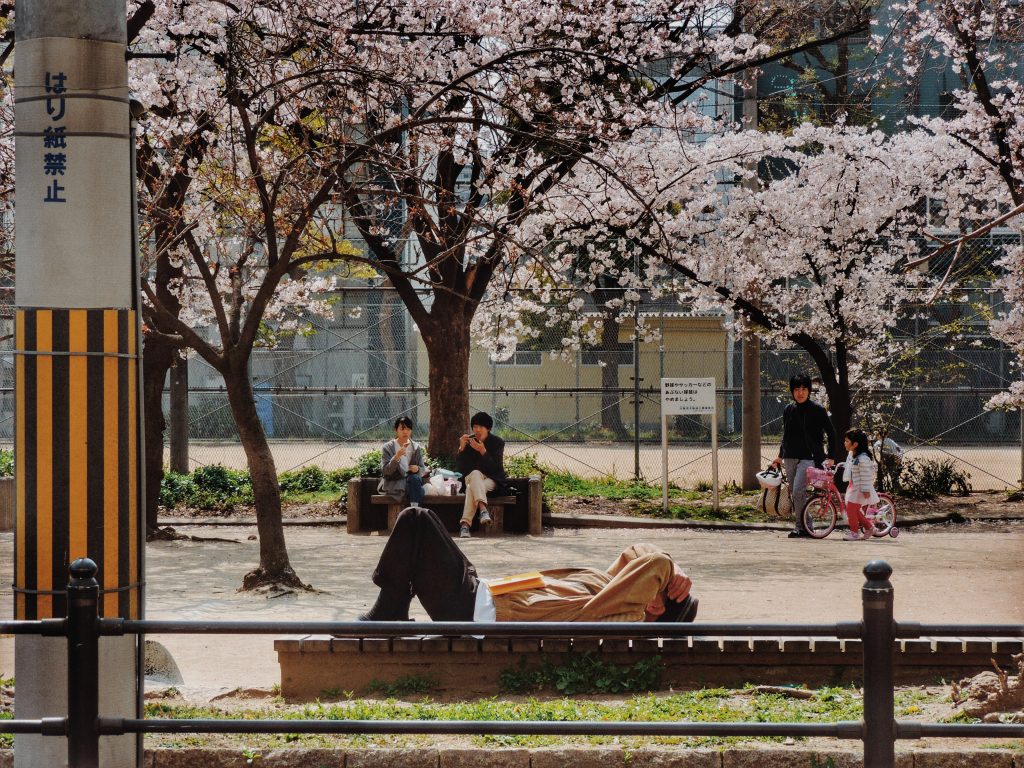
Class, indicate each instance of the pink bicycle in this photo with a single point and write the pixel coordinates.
(826, 506)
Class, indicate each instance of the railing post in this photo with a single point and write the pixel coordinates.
(879, 652)
(83, 666)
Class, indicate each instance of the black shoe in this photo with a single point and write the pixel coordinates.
(388, 608)
(797, 534)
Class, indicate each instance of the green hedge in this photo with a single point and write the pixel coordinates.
(216, 487)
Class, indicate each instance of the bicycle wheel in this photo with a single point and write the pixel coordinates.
(885, 517)
(819, 517)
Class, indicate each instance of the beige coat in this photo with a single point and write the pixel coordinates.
(589, 594)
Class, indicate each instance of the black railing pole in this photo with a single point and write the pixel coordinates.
(83, 666)
(879, 652)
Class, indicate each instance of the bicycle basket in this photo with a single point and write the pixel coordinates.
(818, 478)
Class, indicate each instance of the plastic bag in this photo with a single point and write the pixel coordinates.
(435, 486)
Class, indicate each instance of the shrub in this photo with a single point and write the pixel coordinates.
(6, 462)
(176, 489)
(309, 479)
(928, 478)
(217, 487)
(523, 465)
(368, 465)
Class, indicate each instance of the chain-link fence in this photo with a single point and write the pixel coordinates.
(333, 394)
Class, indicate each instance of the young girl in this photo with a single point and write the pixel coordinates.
(859, 471)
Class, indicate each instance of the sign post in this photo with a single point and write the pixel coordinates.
(688, 397)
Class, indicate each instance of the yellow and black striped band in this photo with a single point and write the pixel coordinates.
(77, 466)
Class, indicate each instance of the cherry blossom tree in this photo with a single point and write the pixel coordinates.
(234, 183)
(812, 257)
(486, 110)
(981, 43)
(171, 139)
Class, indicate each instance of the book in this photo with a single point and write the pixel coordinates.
(516, 583)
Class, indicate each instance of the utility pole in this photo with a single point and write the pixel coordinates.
(179, 415)
(77, 437)
(751, 344)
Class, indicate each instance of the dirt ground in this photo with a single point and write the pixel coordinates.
(984, 509)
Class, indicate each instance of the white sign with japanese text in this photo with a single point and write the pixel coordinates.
(73, 174)
(684, 397)
(688, 397)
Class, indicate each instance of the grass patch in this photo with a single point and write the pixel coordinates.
(408, 685)
(561, 484)
(830, 704)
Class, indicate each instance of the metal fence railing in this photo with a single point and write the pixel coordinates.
(877, 630)
(306, 426)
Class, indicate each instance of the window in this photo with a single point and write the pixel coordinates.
(523, 357)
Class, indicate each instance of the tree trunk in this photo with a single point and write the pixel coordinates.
(609, 356)
(157, 356)
(840, 403)
(447, 341)
(274, 567)
(835, 377)
(840, 407)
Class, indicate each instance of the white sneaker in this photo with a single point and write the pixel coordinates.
(485, 517)
(464, 532)
(852, 536)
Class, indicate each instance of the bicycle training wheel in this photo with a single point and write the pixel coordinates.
(885, 517)
(819, 517)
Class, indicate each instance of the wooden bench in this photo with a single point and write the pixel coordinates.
(449, 509)
(370, 511)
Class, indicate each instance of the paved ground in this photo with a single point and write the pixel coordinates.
(990, 468)
(947, 575)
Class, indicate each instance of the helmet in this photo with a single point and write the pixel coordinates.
(770, 478)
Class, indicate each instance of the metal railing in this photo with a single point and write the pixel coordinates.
(879, 730)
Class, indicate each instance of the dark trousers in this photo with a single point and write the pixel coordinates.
(421, 560)
(414, 489)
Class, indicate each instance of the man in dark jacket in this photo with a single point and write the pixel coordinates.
(481, 461)
(805, 425)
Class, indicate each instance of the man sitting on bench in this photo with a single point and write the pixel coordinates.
(421, 560)
(481, 460)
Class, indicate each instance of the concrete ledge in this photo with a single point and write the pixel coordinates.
(561, 757)
(472, 666)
